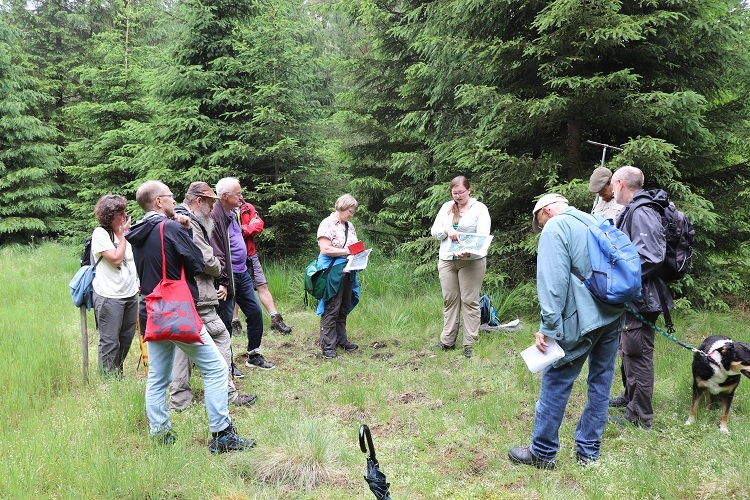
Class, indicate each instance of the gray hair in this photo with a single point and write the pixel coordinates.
(632, 177)
(345, 202)
(226, 185)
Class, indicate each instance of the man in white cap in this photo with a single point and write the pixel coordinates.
(605, 204)
(584, 327)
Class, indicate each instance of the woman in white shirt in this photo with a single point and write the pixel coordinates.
(115, 283)
(461, 274)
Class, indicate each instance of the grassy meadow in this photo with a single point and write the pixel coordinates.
(442, 424)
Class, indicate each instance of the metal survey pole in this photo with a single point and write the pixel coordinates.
(604, 150)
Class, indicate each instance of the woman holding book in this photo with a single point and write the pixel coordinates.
(337, 239)
(461, 272)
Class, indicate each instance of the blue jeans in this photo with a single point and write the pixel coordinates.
(215, 374)
(557, 384)
(244, 296)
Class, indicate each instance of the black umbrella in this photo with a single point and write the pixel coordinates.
(375, 479)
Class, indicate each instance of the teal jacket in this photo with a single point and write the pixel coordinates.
(333, 281)
(568, 310)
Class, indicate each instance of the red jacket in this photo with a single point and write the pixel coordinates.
(251, 224)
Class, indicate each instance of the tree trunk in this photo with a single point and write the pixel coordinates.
(573, 153)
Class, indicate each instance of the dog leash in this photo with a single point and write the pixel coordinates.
(670, 336)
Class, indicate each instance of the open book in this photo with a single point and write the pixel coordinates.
(358, 261)
(475, 244)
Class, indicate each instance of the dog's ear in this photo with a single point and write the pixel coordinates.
(727, 349)
(742, 351)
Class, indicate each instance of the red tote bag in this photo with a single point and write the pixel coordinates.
(170, 310)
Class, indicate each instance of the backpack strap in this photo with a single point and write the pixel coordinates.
(112, 238)
(667, 316)
(587, 223)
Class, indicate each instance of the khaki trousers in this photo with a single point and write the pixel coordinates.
(181, 395)
(461, 281)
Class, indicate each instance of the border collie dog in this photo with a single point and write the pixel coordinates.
(717, 370)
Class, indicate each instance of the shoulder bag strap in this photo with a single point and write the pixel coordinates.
(587, 223)
(163, 256)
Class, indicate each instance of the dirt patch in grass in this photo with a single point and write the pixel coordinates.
(478, 464)
(350, 413)
(405, 398)
(461, 457)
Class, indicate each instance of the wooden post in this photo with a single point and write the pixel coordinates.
(84, 344)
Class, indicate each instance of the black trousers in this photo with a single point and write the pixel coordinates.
(333, 320)
(637, 353)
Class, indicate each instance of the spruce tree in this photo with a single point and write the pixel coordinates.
(29, 205)
(239, 99)
(114, 101)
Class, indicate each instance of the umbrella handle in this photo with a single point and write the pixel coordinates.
(364, 433)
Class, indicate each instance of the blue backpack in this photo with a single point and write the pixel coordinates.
(615, 261)
(488, 313)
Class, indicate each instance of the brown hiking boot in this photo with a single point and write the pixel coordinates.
(277, 323)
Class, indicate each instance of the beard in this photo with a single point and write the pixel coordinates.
(204, 217)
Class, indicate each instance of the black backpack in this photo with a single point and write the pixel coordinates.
(680, 235)
(86, 254)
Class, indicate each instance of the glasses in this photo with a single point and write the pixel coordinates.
(170, 195)
(459, 193)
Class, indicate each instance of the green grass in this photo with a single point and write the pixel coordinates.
(442, 424)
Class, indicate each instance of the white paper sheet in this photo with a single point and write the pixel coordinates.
(536, 361)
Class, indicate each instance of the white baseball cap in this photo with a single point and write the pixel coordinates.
(547, 199)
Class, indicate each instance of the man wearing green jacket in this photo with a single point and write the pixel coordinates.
(583, 326)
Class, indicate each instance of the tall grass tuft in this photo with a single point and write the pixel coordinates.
(302, 452)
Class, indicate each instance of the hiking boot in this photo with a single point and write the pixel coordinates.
(443, 347)
(620, 401)
(244, 400)
(236, 327)
(236, 373)
(468, 351)
(583, 460)
(166, 438)
(622, 421)
(348, 346)
(523, 456)
(258, 361)
(329, 354)
(277, 323)
(228, 440)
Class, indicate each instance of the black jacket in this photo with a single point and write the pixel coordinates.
(179, 250)
(641, 220)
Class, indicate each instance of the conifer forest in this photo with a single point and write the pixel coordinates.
(388, 100)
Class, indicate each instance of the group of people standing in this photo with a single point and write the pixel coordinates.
(210, 236)
(203, 238)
